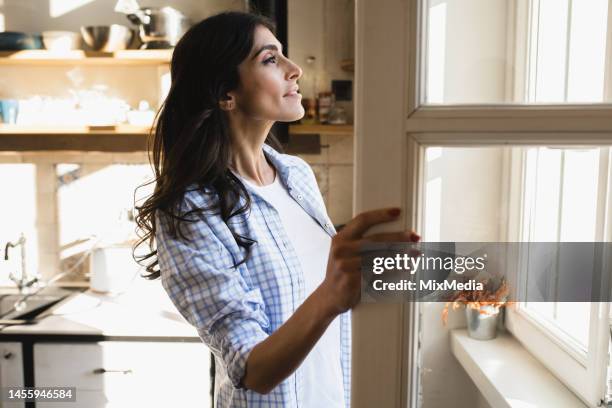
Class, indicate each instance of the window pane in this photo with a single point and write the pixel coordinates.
(18, 216)
(587, 50)
(548, 38)
(499, 194)
(544, 167)
(463, 201)
(95, 206)
(515, 51)
(579, 201)
(565, 195)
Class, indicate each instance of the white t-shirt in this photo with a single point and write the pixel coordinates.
(322, 370)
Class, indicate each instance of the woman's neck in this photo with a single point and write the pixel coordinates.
(248, 158)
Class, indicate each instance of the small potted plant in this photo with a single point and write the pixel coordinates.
(482, 308)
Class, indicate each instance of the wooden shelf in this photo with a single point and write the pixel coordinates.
(345, 130)
(121, 138)
(144, 130)
(73, 130)
(125, 57)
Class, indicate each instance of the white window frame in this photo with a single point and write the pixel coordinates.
(385, 368)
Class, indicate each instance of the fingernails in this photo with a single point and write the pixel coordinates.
(394, 212)
(413, 236)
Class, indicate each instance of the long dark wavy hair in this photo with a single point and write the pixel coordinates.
(191, 142)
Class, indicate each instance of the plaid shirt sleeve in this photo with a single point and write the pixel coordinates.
(199, 277)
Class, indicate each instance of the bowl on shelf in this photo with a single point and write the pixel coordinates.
(61, 40)
(110, 38)
(16, 41)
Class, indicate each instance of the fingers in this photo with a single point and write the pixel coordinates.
(410, 236)
(349, 248)
(349, 264)
(356, 227)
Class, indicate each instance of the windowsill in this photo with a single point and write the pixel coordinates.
(507, 375)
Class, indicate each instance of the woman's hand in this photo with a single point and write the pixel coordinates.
(342, 283)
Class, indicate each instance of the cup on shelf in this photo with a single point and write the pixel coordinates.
(9, 108)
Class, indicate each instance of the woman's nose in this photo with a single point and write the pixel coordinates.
(294, 71)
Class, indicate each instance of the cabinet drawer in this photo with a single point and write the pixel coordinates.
(125, 371)
(11, 370)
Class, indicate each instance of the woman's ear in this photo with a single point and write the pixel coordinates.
(228, 104)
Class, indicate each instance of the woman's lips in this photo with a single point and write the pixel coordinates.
(293, 94)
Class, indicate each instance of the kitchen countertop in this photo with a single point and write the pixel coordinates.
(142, 311)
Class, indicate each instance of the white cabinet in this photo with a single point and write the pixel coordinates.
(120, 373)
(11, 370)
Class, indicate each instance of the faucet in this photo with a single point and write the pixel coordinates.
(24, 281)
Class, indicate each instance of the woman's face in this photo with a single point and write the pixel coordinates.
(268, 82)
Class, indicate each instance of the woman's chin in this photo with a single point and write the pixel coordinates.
(292, 116)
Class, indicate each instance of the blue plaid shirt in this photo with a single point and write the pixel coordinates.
(234, 309)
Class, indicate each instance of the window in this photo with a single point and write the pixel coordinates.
(18, 216)
(64, 209)
(95, 208)
(480, 94)
(525, 52)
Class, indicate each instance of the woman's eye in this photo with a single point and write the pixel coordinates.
(269, 60)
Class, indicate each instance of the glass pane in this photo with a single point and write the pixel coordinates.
(18, 211)
(507, 194)
(108, 219)
(565, 196)
(516, 52)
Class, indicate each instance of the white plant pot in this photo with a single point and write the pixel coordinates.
(482, 326)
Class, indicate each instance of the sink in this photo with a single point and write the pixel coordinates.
(28, 307)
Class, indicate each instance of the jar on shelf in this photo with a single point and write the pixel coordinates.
(325, 103)
(337, 115)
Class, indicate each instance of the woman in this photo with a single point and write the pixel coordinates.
(238, 231)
